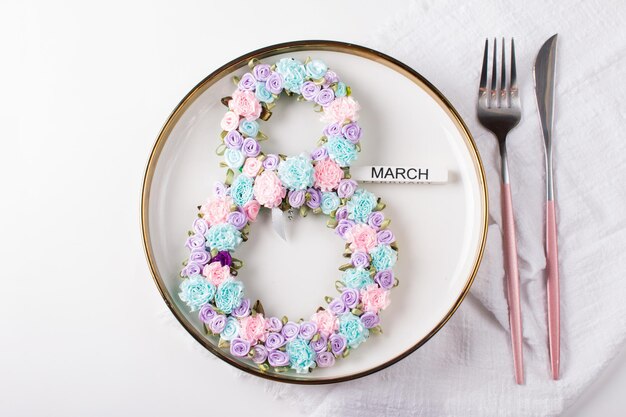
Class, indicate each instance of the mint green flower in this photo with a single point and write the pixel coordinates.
(296, 173)
(229, 295)
(242, 190)
(361, 205)
(357, 278)
(383, 257)
(231, 329)
(223, 236)
(341, 89)
(341, 150)
(234, 158)
(263, 94)
(330, 202)
(353, 329)
(293, 72)
(249, 128)
(301, 355)
(196, 291)
(316, 69)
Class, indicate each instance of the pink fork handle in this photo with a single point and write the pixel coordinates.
(512, 280)
(552, 261)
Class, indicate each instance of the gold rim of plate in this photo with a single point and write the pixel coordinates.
(282, 48)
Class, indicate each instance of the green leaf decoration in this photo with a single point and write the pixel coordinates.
(258, 307)
(380, 206)
(332, 223)
(328, 299)
(357, 312)
(339, 286)
(304, 210)
(385, 224)
(221, 148)
(345, 267)
(223, 344)
(225, 100)
(230, 175)
(236, 80)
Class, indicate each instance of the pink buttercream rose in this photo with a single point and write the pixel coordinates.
(252, 328)
(216, 273)
(374, 298)
(340, 110)
(215, 211)
(326, 322)
(268, 189)
(362, 237)
(251, 167)
(230, 121)
(245, 104)
(327, 175)
(251, 209)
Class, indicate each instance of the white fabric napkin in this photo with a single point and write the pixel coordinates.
(466, 369)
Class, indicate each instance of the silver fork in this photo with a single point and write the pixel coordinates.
(499, 110)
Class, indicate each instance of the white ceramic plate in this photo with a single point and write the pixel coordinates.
(440, 229)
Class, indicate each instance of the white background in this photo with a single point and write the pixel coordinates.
(84, 90)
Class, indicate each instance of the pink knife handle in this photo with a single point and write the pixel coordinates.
(512, 280)
(552, 263)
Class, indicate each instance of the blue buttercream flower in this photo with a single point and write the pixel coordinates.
(234, 158)
(383, 257)
(296, 173)
(242, 190)
(223, 236)
(231, 329)
(228, 296)
(293, 73)
(353, 329)
(341, 89)
(316, 69)
(301, 355)
(357, 278)
(361, 205)
(249, 128)
(263, 94)
(330, 202)
(341, 150)
(196, 291)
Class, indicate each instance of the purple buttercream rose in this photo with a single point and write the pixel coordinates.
(243, 309)
(370, 320)
(337, 307)
(274, 324)
(259, 354)
(315, 198)
(271, 162)
(360, 259)
(346, 188)
(337, 343)
(310, 90)
(195, 242)
(220, 190)
(192, 268)
(375, 219)
(239, 347)
(343, 227)
(320, 344)
(206, 313)
(278, 358)
(290, 330)
(325, 97)
(385, 236)
(237, 219)
(325, 359)
(307, 330)
(200, 226)
(319, 154)
(247, 82)
(384, 279)
(217, 323)
(350, 297)
(332, 130)
(296, 198)
(262, 72)
(341, 213)
(251, 148)
(274, 341)
(352, 132)
(233, 140)
(199, 256)
(223, 257)
(330, 77)
(274, 83)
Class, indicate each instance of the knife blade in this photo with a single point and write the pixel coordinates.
(544, 73)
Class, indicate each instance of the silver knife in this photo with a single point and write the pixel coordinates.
(544, 74)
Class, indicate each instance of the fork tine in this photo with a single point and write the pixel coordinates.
(503, 90)
(483, 74)
(513, 81)
(494, 75)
